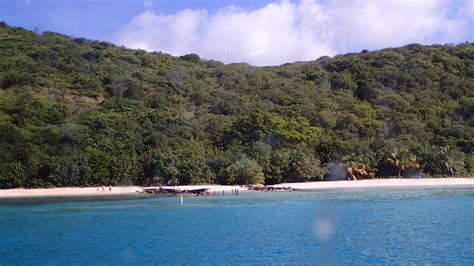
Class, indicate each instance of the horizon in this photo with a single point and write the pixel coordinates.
(245, 31)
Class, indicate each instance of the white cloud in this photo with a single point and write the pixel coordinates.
(467, 10)
(148, 4)
(288, 31)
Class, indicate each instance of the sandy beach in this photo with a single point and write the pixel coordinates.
(97, 191)
(67, 191)
(371, 183)
(307, 186)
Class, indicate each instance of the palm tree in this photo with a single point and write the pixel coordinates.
(453, 161)
(402, 159)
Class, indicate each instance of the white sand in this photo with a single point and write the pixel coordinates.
(67, 191)
(97, 191)
(465, 182)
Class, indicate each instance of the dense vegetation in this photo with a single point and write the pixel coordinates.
(75, 112)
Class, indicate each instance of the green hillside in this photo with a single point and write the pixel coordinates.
(75, 112)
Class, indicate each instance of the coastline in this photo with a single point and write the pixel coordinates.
(306, 186)
(382, 183)
(97, 191)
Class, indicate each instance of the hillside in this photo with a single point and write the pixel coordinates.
(75, 112)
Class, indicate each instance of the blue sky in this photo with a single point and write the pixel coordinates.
(98, 19)
(260, 32)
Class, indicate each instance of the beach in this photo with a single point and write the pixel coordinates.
(67, 191)
(373, 183)
(97, 191)
(306, 186)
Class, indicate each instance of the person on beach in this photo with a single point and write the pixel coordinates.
(110, 187)
(103, 188)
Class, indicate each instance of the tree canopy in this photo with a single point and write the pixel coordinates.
(76, 112)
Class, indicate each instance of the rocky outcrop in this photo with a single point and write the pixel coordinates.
(270, 188)
(173, 191)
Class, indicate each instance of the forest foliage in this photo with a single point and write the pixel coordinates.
(76, 112)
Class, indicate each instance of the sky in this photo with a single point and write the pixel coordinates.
(258, 32)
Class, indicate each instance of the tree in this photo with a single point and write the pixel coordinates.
(76, 112)
(72, 170)
(194, 58)
(12, 175)
(443, 161)
(245, 171)
(303, 167)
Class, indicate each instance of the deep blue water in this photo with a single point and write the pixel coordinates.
(429, 226)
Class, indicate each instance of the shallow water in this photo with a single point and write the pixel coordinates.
(401, 226)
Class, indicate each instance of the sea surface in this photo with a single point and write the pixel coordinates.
(361, 226)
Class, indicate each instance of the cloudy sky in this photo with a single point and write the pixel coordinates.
(259, 32)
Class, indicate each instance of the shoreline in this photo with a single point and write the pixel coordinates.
(306, 186)
(97, 191)
(381, 183)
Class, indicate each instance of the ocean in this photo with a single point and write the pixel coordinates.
(351, 226)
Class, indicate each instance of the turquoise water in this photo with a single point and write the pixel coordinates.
(429, 226)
